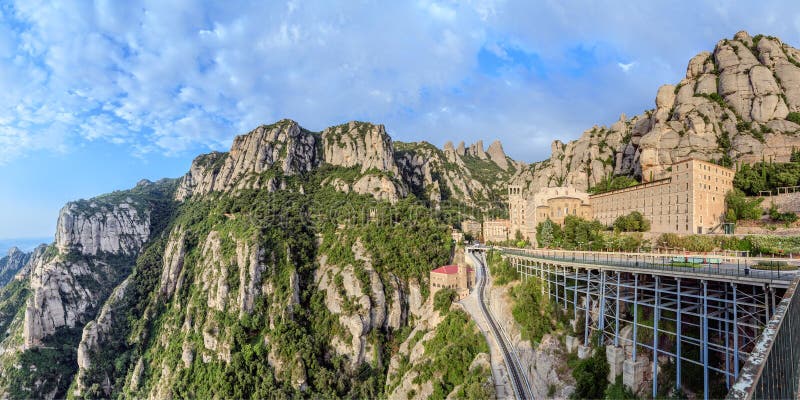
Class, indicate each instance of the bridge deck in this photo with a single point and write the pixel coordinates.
(731, 270)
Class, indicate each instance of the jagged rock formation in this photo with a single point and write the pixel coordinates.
(259, 159)
(11, 264)
(92, 334)
(91, 227)
(252, 161)
(359, 144)
(731, 106)
(64, 287)
(497, 155)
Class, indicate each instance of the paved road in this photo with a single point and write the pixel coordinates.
(728, 267)
(519, 380)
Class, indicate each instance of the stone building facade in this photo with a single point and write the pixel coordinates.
(555, 203)
(471, 227)
(691, 199)
(461, 279)
(497, 230)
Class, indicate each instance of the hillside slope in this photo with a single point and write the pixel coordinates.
(293, 265)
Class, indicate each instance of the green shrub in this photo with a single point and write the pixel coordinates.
(618, 391)
(609, 183)
(501, 270)
(548, 234)
(740, 207)
(534, 311)
(794, 116)
(443, 299)
(774, 266)
(591, 376)
(633, 222)
(787, 217)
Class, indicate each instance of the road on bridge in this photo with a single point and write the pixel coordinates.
(713, 265)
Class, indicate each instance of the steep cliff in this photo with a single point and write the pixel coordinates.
(64, 284)
(733, 105)
(11, 264)
(362, 158)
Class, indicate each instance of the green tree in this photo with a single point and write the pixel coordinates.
(740, 207)
(591, 376)
(443, 299)
(633, 222)
(580, 233)
(548, 234)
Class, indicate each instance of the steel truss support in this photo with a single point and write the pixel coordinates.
(721, 319)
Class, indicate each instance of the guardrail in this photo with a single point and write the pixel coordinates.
(771, 371)
(713, 266)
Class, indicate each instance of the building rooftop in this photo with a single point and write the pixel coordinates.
(449, 269)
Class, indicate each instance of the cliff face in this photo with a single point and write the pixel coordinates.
(62, 286)
(267, 241)
(731, 106)
(263, 158)
(253, 161)
(11, 264)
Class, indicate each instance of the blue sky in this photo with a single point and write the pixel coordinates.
(97, 95)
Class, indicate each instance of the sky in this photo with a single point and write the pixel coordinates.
(95, 96)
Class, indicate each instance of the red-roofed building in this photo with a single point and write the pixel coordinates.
(460, 279)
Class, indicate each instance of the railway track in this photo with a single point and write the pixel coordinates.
(518, 380)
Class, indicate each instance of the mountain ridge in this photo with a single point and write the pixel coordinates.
(297, 262)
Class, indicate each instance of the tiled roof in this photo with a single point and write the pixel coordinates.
(449, 269)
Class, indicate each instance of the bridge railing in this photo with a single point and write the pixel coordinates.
(773, 368)
(697, 264)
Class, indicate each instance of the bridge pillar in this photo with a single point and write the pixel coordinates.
(575, 297)
(564, 275)
(635, 313)
(678, 337)
(616, 357)
(602, 311)
(584, 351)
(656, 316)
(633, 373)
(588, 309)
(704, 343)
(735, 335)
(616, 313)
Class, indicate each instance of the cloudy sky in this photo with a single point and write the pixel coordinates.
(97, 95)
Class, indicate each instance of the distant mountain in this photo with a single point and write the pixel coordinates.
(24, 244)
(11, 264)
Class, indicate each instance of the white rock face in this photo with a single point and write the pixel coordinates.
(755, 80)
(284, 144)
(58, 299)
(66, 291)
(173, 263)
(12, 263)
(372, 310)
(91, 227)
(358, 143)
(497, 155)
(93, 333)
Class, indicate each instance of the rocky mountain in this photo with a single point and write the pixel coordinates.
(738, 103)
(11, 264)
(296, 263)
(381, 168)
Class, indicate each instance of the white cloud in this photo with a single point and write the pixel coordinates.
(626, 67)
(179, 77)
